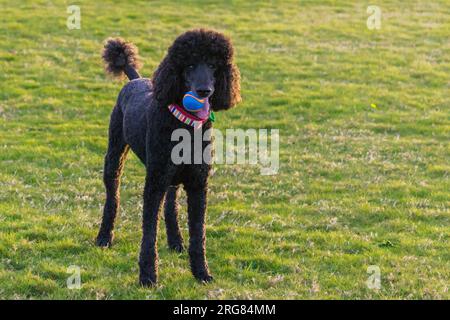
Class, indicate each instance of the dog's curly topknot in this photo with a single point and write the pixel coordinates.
(118, 54)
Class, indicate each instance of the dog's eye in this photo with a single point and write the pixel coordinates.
(212, 66)
(190, 67)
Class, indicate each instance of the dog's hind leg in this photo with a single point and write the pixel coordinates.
(174, 237)
(114, 162)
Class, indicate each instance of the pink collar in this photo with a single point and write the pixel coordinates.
(187, 118)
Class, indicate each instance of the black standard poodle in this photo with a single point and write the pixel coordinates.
(200, 61)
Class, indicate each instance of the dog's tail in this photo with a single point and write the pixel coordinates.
(121, 57)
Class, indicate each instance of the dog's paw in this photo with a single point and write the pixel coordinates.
(204, 278)
(177, 247)
(208, 278)
(147, 282)
(104, 241)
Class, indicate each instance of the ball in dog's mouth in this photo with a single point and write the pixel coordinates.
(196, 105)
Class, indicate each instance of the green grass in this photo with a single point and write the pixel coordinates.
(357, 185)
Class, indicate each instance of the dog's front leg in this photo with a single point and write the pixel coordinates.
(196, 199)
(148, 259)
(174, 237)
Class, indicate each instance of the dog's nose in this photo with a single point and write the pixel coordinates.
(203, 92)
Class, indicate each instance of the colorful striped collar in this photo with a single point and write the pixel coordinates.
(189, 119)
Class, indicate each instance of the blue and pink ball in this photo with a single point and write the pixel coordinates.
(193, 103)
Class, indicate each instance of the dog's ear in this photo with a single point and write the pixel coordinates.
(166, 83)
(227, 88)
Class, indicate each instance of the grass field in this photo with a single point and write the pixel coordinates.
(364, 151)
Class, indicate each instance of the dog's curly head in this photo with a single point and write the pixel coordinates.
(199, 60)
